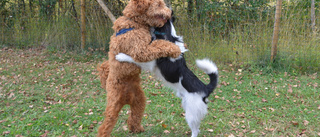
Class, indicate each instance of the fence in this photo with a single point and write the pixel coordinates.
(232, 32)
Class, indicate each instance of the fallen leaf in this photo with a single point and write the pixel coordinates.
(305, 122)
(1, 121)
(269, 129)
(125, 127)
(290, 89)
(11, 95)
(164, 125)
(210, 130)
(253, 131)
(153, 94)
(45, 133)
(264, 100)
(91, 126)
(272, 109)
(80, 128)
(303, 131)
(295, 123)
(166, 131)
(5, 132)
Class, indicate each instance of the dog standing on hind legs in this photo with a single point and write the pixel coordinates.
(175, 74)
(122, 79)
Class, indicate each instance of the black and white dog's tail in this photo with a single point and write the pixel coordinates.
(211, 69)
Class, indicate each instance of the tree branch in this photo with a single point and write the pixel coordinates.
(108, 12)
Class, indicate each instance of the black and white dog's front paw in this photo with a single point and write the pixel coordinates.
(121, 57)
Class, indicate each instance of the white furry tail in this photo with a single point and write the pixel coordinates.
(207, 66)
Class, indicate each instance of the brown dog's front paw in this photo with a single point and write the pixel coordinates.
(175, 53)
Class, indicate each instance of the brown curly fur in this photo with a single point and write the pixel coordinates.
(122, 80)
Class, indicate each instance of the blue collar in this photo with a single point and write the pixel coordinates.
(159, 33)
(122, 31)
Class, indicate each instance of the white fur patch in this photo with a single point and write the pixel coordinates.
(124, 58)
(144, 65)
(207, 66)
(179, 43)
(180, 39)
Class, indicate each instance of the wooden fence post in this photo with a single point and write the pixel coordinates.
(83, 24)
(275, 37)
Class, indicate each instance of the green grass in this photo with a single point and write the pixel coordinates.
(54, 93)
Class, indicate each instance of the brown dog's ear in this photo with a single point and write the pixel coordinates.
(140, 5)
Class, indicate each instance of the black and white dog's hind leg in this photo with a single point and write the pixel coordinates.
(195, 104)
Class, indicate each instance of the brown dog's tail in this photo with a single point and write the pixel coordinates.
(103, 73)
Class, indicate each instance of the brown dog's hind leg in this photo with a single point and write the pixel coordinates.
(111, 117)
(137, 106)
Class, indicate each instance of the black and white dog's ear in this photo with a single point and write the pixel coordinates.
(173, 18)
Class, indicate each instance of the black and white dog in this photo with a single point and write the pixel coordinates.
(175, 74)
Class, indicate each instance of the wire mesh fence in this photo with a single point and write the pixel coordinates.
(227, 31)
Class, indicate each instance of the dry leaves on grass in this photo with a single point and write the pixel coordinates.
(210, 130)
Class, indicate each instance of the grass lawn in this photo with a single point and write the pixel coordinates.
(49, 93)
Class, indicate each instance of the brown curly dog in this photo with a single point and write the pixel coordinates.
(132, 37)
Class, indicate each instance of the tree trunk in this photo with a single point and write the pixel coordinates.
(31, 7)
(60, 9)
(40, 8)
(190, 8)
(21, 7)
(83, 24)
(199, 7)
(275, 37)
(313, 20)
(24, 6)
(74, 9)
